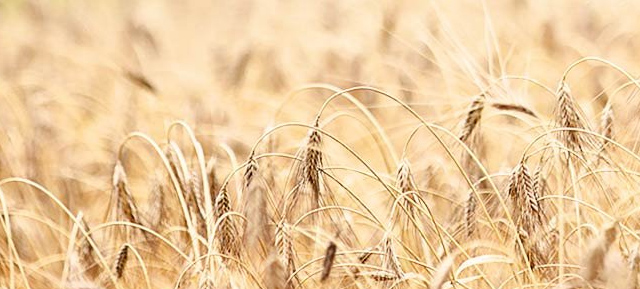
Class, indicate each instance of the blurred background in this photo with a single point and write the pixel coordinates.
(77, 76)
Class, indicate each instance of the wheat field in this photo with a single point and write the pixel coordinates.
(281, 144)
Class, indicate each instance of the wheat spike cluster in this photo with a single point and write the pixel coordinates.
(319, 144)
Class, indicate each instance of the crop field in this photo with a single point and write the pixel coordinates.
(298, 144)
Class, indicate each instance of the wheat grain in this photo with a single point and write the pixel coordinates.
(284, 247)
(470, 213)
(125, 204)
(391, 261)
(226, 235)
(214, 183)
(121, 260)
(197, 197)
(567, 116)
(634, 264)
(473, 117)
(514, 107)
(255, 206)
(206, 281)
(86, 250)
(156, 207)
(311, 165)
(329, 257)
(406, 185)
(380, 276)
(606, 123)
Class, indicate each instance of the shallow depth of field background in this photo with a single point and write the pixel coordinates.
(76, 77)
(226, 67)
